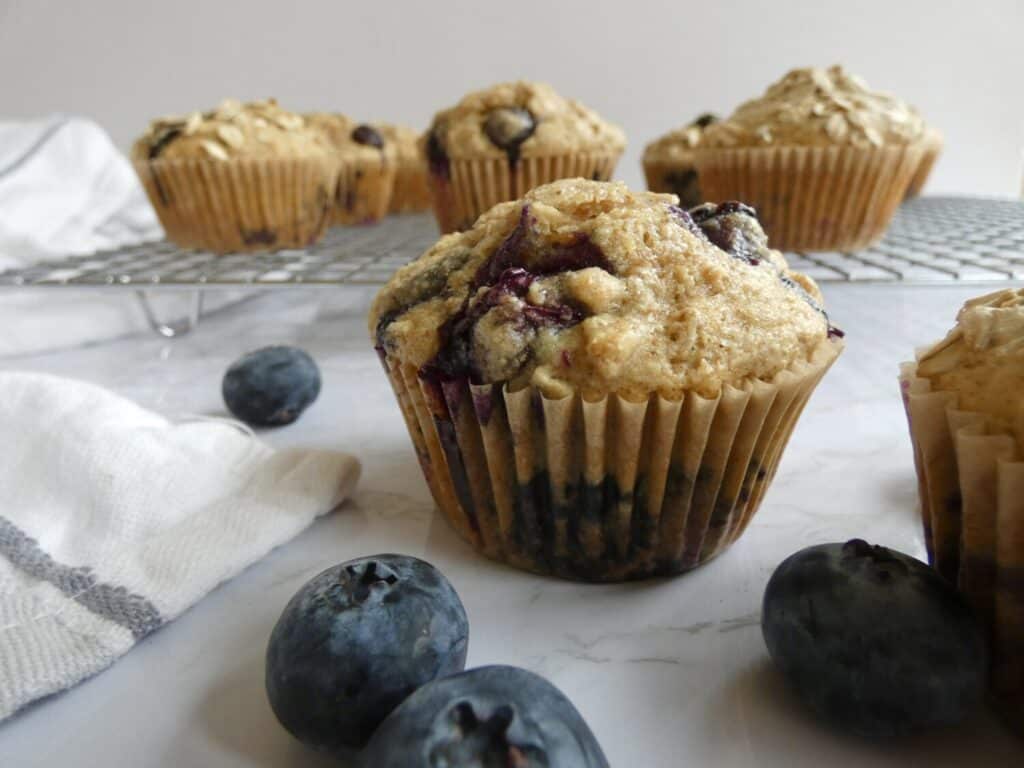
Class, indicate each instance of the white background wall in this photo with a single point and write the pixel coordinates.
(647, 64)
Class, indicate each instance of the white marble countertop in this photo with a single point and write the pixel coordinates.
(667, 673)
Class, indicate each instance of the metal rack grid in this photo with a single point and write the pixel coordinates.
(931, 240)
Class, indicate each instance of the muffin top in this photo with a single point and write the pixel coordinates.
(677, 144)
(351, 139)
(587, 285)
(818, 107)
(982, 358)
(405, 140)
(231, 130)
(516, 120)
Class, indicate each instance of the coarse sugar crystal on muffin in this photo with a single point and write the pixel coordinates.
(964, 397)
(367, 164)
(824, 159)
(551, 327)
(669, 163)
(497, 143)
(242, 176)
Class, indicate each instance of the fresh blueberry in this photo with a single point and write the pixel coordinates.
(873, 640)
(271, 387)
(357, 640)
(489, 717)
(368, 135)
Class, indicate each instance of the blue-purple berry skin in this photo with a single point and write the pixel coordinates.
(271, 387)
(488, 717)
(873, 640)
(355, 641)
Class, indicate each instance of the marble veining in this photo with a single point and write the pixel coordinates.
(667, 672)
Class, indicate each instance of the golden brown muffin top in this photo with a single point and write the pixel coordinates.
(405, 140)
(352, 139)
(678, 144)
(231, 130)
(982, 358)
(819, 107)
(520, 119)
(589, 285)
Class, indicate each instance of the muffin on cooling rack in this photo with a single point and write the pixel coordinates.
(366, 168)
(933, 148)
(824, 159)
(496, 144)
(240, 177)
(669, 163)
(410, 192)
(965, 407)
(599, 385)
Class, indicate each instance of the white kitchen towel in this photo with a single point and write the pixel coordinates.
(114, 520)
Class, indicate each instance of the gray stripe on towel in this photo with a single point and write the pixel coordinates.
(133, 612)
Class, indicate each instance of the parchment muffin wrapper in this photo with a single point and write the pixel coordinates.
(678, 176)
(476, 185)
(411, 192)
(242, 204)
(602, 490)
(363, 191)
(970, 477)
(813, 198)
(932, 150)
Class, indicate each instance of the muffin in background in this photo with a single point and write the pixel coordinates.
(498, 143)
(599, 385)
(964, 398)
(240, 177)
(824, 159)
(932, 150)
(367, 163)
(410, 192)
(669, 162)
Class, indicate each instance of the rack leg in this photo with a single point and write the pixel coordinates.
(174, 328)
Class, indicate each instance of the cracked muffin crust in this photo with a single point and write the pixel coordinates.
(240, 177)
(497, 143)
(589, 286)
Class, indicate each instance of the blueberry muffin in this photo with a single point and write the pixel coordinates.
(824, 159)
(498, 143)
(599, 384)
(932, 149)
(240, 177)
(965, 405)
(410, 192)
(367, 163)
(669, 164)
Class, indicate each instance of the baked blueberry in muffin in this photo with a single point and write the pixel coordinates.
(536, 341)
(669, 163)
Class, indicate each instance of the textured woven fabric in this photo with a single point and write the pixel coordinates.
(114, 520)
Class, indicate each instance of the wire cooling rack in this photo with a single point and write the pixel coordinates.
(931, 240)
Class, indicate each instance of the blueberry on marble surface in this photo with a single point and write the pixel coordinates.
(271, 387)
(355, 641)
(873, 640)
(489, 717)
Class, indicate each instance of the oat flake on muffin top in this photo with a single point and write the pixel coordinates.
(589, 285)
(233, 129)
(818, 107)
(520, 119)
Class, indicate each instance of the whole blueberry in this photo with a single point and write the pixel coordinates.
(873, 640)
(271, 387)
(357, 640)
(489, 717)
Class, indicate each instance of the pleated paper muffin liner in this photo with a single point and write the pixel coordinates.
(971, 485)
(474, 186)
(680, 177)
(241, 204)
(603, 490)
(363, 191)
(411, 191)
(813, 198)
(932, 150)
